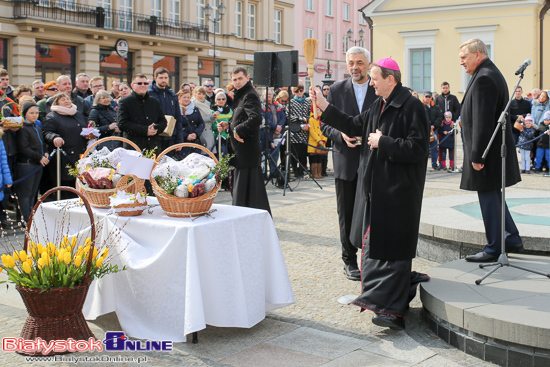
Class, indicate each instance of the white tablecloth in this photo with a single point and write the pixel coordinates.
(182, 274)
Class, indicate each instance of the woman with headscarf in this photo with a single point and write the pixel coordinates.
(222, 113)
(199, 100)
(62, 129)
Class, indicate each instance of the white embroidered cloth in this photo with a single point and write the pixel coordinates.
(184, 274)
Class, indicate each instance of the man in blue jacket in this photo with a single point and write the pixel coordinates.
(160, 90)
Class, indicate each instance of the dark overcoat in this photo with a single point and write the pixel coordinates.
(135, 114)
(484, 100)
(246, 121)
(395, 173)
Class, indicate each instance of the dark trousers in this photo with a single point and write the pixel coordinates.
(489, 201)
(345, 199)
(27, 189)
(300, 151)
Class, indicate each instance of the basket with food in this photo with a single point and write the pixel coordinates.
(129, 200)
(9, 121)
(187, 188)
(97, 174)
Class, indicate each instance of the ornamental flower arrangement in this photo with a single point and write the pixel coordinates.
(56, 265)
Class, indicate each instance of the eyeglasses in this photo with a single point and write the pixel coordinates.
(142, 83)
(325, 88)
(220, 99)
(209, 85)
(53, 89)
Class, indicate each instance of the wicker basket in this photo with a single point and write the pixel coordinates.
(56, 314)
(175, 206)
(10, 122)
(133, 209)
(99, 198)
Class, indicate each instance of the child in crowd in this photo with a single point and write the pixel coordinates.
(543, 149)
(434, 151)
(316, 139)
(527, 134)
(447, 143)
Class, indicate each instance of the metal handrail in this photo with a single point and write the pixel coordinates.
(68, 12)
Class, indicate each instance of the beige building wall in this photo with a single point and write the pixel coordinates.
(511, 30)
(23, 33)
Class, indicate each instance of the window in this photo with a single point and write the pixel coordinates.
(200, 12)
(309, 5)
(346, 12)
(174, 10)
(156, 8)
(421, 69)
(207, 71)
(328, 8)
(277, 26)
(113, 67)
(328, 41)
(251, 26)
(345, 44)
(362, 20)
(106, 4)
(239, 19)
(215, 27)
(126, 8)
(310, 33)
(54, 60)
(3, 53)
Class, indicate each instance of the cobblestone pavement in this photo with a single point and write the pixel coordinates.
(317, 330)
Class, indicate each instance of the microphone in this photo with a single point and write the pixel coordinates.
(523, 66)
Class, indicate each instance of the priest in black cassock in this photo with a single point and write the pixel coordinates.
(396, 129)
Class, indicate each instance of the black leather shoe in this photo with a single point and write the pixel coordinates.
(481, 257)
(352, 272)
(515, 249)
(390, 321)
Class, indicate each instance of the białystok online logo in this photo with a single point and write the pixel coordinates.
(115, 341)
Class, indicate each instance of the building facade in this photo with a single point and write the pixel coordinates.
(42, 39)
(329, 21)
(424, 39)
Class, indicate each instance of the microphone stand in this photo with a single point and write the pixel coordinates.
(503, 258)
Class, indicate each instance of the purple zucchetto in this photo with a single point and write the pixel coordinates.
(388, 63)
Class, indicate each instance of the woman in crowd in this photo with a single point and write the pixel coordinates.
(275, 120)
(222, 113)
(62, 128)
(124, 90)
(104, 117)
(195, 123)
(283, 98)
(299, 113)
(199, 100)
(22, 90)
(31, 155)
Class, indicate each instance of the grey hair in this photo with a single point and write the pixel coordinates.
(99, 95)
(61, 77)
(81, 75)
(358, 50)
(474, 45)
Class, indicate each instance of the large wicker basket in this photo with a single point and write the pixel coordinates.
(99, 198)
(133, 209)
(56, 314)
(175, 206)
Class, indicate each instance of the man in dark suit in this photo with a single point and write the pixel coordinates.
(484, 100)
(352, 96)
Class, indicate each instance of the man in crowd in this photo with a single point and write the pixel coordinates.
(64, 84)
(140, 117)
(482, 105)
(160, 90)
(114, 89)
(208, 84)
(396, 131)
(82, 86)
(519, 108)
(38, 90)
(435, 119)
(352, 96)
(244, 135)
(7, 89)
(96, 84)
(447, 102)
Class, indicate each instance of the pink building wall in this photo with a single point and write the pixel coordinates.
(335, 24)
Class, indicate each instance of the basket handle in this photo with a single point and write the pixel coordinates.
(90, 214)
(123, 184)
(109, 138)
(6, 105)
(188, 145)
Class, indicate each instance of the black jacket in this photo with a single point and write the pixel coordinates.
(30, 144)
(482, 105)
(448, 102)
(68, 128)
(103, 116)
(435, 116)
(395, 172)
(544, 141)
(135, 114)
(78, 101)
(194, 125)
(518, 108)
(246, 121)
(345, 159)
(170, 105)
